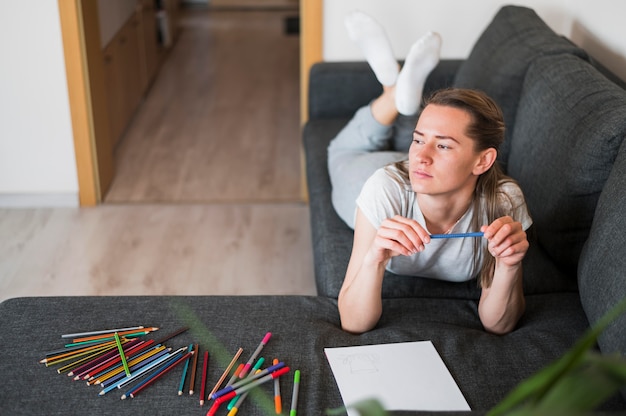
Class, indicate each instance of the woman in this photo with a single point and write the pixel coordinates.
(449, 184)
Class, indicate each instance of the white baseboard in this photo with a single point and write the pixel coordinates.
(56, 200)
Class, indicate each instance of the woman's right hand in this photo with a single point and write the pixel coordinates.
(397, 236)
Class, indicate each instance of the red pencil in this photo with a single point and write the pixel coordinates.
(205, 367)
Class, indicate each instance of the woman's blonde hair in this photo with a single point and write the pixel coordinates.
(486, 128)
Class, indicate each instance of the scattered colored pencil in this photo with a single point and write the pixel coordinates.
(172, 335)
(181, 386)
(459, 235)
(230, 366)
(205, 368)
(104, 331)
(194, 369)
(122, 355)
(159, 373)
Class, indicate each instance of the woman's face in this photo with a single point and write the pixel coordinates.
(442, 159)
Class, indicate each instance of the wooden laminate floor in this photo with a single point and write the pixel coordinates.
(207, 194)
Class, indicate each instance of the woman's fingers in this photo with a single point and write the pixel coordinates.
(506, 238)
(403, 235)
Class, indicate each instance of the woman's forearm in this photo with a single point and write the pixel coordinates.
(360, 302)
(502, 305)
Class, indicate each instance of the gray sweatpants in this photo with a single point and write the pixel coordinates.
(361, 147)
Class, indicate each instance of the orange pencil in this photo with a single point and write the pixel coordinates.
(230, 366)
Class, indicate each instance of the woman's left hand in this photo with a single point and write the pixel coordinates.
(507, 240)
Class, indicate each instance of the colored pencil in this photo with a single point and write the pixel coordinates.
(194, 366)
(153, 362)
(122, 355)
(136, 375)
(159, 373)
(109, 355)
(458, 235)
(181, 385)
(122, 333)
(205, 367)
(104, 331)
(172, 335)
(114, 359)
(86, 359)
(74, 353)
(100, 378)
(232, 363)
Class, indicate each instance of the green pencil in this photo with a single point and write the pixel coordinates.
(122, 356)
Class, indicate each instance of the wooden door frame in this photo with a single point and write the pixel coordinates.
(311, 26)
(80, 30)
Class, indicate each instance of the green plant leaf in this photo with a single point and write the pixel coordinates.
(368, 407)
(535, 388)
(583, 389)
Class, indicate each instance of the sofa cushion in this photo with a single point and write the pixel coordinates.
(570, 124)
(601, 276)
(498, 61)
(485, 366)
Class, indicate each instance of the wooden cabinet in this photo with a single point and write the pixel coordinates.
(149, 40)
(123, 76)
(131, 61)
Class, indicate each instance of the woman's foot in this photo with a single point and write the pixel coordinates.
(421, 60)
(371, 38)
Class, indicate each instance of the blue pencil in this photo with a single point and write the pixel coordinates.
(460, 235)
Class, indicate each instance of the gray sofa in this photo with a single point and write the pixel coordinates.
(566, 121)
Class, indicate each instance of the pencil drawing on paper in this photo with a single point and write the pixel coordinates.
(359, 363)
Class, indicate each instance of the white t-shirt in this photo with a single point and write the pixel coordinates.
(450, 259)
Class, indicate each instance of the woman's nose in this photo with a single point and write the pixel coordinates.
(423, 154)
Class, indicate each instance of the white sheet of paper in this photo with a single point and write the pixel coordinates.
(402, 376)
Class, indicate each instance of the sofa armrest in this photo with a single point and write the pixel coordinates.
(338, 89)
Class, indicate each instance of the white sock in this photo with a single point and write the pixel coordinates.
(373, 42)
(421, 60)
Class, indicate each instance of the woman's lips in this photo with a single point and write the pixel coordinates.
(421, 174)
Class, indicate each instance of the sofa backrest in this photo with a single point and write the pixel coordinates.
(602, 271)
(570, 123)
(500, 58)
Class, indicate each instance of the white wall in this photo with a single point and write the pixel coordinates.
(37, 162)
(595, 25)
